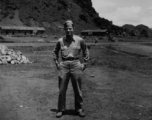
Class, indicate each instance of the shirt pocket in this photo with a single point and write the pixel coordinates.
(64, 51)
(64, 48)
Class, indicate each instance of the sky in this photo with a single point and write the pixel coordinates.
(122, 12)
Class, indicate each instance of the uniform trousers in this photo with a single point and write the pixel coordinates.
(70, 70)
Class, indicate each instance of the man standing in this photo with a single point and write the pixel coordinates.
(70, 67)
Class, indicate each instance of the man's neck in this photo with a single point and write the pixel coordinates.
(69, 38)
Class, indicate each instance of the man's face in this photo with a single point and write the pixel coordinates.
(69, 30)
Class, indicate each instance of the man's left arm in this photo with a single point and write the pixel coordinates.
(85, 53)
(55, 53)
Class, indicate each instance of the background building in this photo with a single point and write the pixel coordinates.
(22, 31)
(94, 32)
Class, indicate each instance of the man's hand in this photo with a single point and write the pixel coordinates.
(84, 66)
(57, 64)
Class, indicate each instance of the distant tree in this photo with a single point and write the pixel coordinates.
(144, 33)
(102, 22)
(83, 17)
(132, 33)
(63, 2)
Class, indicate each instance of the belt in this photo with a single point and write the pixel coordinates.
(70, 59)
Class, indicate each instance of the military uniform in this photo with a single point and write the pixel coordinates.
(70, 67)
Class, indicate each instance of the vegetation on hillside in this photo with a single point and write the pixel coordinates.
(53, 13)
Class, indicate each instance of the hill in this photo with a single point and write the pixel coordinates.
(139, 30)
(128, 27)
(51, 14)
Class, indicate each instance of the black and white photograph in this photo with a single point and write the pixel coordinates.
(75, 59)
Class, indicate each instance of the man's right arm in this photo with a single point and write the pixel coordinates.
(55, 53)
(85, 52)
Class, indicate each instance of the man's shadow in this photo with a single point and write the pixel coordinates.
(66, 112)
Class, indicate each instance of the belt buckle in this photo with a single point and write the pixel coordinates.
(71, 59)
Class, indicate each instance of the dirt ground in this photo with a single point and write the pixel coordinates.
(116, 86)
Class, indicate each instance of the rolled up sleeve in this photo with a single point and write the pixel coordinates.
(56, 50)
(85, 51)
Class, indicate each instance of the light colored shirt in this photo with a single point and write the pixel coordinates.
(71, 49)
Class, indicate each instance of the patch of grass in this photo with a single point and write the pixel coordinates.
(103, 57)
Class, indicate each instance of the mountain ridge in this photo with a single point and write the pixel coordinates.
(51, 14)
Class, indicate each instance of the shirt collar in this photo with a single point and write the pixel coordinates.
(67, 39)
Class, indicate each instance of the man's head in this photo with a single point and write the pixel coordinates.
(69, 27)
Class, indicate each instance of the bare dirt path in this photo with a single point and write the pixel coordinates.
(117, 95)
